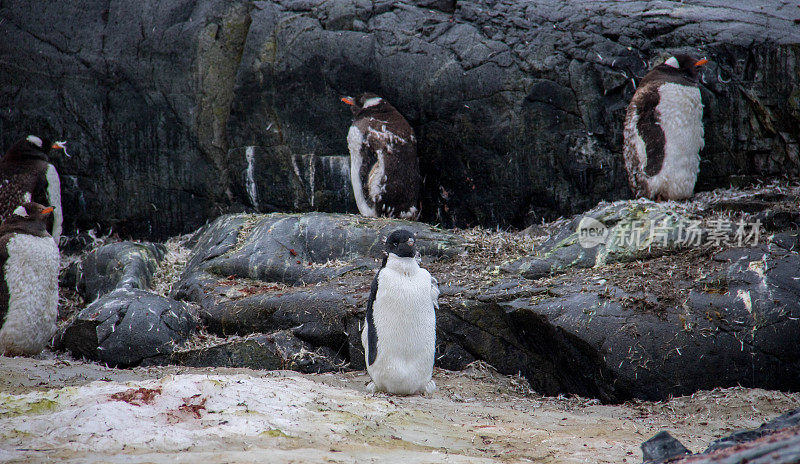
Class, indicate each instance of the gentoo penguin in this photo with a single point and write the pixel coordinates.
(29, 286)
(384, 168)
(27, 175)
(399, 336)
(664, 131)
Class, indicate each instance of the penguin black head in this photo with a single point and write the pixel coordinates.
(367, 103)
(31, 147)
(401, 243)
(31, 218)
(683, 66)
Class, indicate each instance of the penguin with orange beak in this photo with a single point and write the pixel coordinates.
(26, 175)
(664, 131)
(29, 262)
(384, 168)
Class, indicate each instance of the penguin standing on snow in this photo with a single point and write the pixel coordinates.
(384, 168)
(29, 286)
(26, 175)
(664, 131)
(399, 336)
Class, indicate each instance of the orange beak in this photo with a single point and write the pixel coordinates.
(349, 100)
(55, 146)
(701, 62)
(47, 210)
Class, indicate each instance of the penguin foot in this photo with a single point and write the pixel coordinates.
(430, 387)
(371, 388)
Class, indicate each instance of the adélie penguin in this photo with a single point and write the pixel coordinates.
(664, 131)
(384, 168)
(399, 336)
(29, 263)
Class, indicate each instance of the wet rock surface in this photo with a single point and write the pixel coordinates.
(275, 351)
(517, 105)
(776, 441)
(661, 448)
(117, 265)
(124, 327)
(646, 324)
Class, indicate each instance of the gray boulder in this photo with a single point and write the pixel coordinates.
(303, 249)
(307, 274)
(128, 265)
(126, 326)
(279, 350)
(661, 448)
(775, 442)
(666, 326)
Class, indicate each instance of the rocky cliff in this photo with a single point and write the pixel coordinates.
(178, 110)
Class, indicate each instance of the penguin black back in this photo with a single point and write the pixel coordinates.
(27, 175)
(384, 167)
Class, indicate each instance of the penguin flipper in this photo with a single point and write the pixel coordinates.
(435, 292)
(372, 335)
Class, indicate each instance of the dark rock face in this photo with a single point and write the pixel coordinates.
(279, 350)
(790, 419)
(776, 441)
(178, 110)
(289, 248)
(298, 273)
(124, 327)
(117, 265)
(661, 448)
(679, 334)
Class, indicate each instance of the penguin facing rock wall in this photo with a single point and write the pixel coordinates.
(384, 168)
(664, 131)
(29, 262)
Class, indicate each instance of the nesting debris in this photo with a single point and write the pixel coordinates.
(171, 267)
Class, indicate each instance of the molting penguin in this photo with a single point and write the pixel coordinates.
(27, 175)
(399, 336)
(384, 168)
(29, 286)
(664, 131)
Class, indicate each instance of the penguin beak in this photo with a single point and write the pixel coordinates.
(47, 210)
(348, 100)
(410, 241)
(701, 62)
(61, 146)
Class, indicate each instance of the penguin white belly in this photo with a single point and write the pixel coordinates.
(680, 111)
(31, 273)
(54, 199)
(355, 140)
(405, 323)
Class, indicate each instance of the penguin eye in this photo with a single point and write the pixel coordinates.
(21, 211)
(34, 140)
(672, 62)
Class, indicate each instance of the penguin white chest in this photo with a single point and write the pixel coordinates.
(31, 275)
(54, 200)
(680, 110)
(355, 140)
(405, 324)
